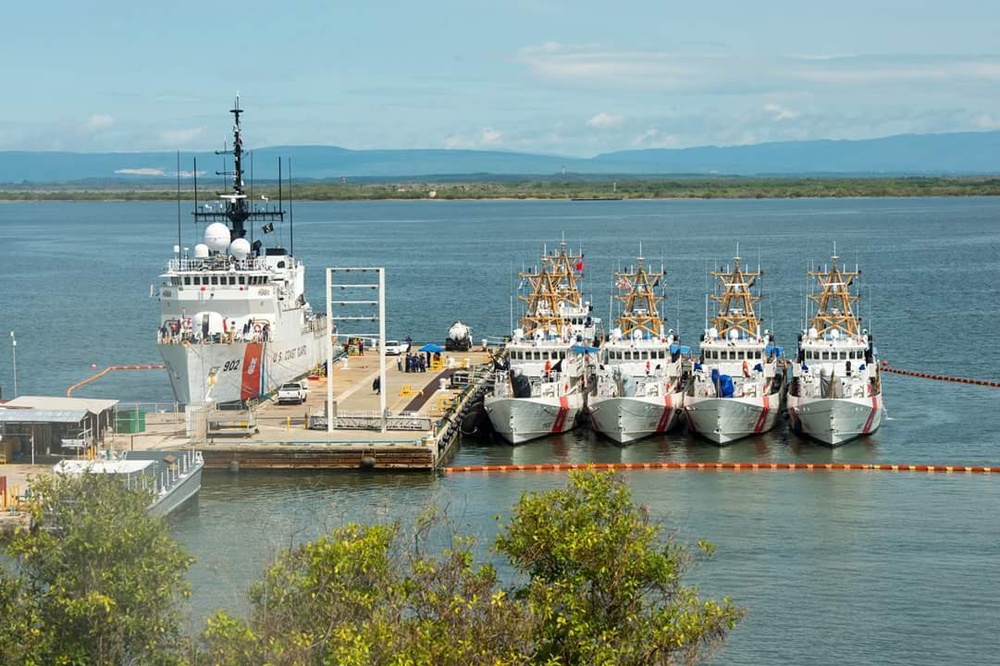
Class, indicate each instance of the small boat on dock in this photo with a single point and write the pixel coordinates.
(541, 383)
(835, 393)
(737, 385)
(639, 378)
(173, 477)
(234, 320)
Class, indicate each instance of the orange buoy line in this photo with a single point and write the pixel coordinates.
(942, 378)
(108, 369)
(729, 466)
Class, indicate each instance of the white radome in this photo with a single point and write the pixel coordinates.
(240, 248)
(217, 236)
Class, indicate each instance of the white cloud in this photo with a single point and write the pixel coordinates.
(605, 121)
(98, 122)
(487, 137)
(141, 172)
(593, 67)
(986, 121)
(490, 137)
(654, 138)
(779, 112)
(181, 137)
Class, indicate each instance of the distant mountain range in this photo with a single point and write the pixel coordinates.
(963, 153)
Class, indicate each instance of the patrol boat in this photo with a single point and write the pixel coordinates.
(737, 385)
(639, 378)
(540, 386)
(234, 321)
(835, 393)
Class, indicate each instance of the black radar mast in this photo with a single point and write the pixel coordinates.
(235, 210)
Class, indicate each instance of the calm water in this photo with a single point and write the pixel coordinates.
(834, 567)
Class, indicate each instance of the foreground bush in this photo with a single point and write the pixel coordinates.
(96, 581)
(599, 583)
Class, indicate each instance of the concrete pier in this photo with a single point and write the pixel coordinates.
(423, 419)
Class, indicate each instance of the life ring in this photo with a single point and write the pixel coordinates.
(256, 328)
(746, 369)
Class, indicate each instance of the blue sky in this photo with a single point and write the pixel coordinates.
(573, 78)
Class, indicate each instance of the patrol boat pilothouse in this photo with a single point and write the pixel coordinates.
(235, 323)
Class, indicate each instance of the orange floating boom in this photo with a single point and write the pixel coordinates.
(108, 369)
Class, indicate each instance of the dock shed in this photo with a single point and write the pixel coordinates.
(45, 426)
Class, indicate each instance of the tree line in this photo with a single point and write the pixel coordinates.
(595, 581)
(721, 187)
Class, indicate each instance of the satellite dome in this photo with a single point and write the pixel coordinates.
(240, 248)
(201, 251)
(217, 236)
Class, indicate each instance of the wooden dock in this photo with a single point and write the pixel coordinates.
(424, 412)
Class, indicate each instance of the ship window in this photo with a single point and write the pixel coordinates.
(232, 279)
(843, 356)
(826, 356)
(215, 279)
(187, 279)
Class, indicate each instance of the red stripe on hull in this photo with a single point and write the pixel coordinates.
(762, 419)
(557, 427)
(668, 410)
(253, 368)
(871, 417)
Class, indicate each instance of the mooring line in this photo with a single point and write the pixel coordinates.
(941, 378)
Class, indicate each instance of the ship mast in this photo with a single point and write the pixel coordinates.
(236, 209)
(835, 302)
(553, 290)
(640, 301)
(735, 311)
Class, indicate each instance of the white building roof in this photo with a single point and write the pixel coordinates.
(92, 405)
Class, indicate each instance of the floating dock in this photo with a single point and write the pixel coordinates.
(419, 430)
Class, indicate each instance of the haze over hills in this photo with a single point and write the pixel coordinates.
(966, 153)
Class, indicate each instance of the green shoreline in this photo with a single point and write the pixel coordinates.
(538, 188)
